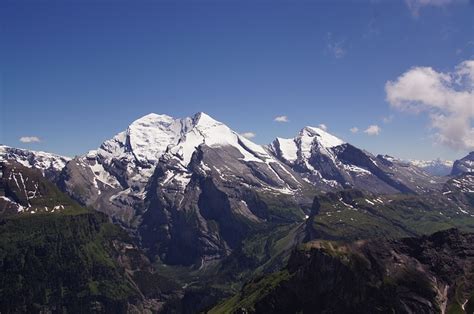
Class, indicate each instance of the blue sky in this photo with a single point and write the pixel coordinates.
(74, 73)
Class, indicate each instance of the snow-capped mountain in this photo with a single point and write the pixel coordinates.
(194, 185)
(330, 163)
(164, 175)
(49, 164)
(437, 167)
(118, 172)
(113, 177)
(463, 165)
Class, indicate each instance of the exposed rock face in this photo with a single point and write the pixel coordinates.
(217, 208)
(26, 190)
(331, 164)
(461, 190)
(431, 274)
(463, 165)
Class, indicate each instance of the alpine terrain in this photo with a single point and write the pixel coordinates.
(175, 215)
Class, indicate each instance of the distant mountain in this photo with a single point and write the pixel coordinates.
(429, 274)
(463, 165)
(329, 163)
(49, 164)
(435, 167)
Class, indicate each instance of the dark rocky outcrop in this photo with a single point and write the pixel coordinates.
(430, 274)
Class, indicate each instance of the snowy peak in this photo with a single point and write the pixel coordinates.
(149, 136)
(204, 120)
(320, 136)
(207, 131)
(49, 164)
(328, 162)
(301, 147)
(437, 167)
(147, 139)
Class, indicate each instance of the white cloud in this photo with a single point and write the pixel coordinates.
(447, 98)
(415, 5)
(30, 139)
(354, 129)
(387, 119)
(323, 127)
(335, 47)
(248, 135)
(373, 130)
(281, 119)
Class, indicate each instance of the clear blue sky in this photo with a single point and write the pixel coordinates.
(74, 73)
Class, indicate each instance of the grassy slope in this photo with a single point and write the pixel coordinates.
(393, 216)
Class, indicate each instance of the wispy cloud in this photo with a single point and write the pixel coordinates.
(416, 5)
(372, 29)
(248, 135)
(281, 119)
(373, 130)
(323, 127)
(30, 139)
(446, 97)
(354, 129)
(335, 47)
(388, 119)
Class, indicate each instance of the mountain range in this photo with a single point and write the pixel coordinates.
(436, 167)
(193, 194)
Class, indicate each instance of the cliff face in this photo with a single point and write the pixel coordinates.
(431, 274)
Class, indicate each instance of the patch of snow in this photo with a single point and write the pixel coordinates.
(287, 148)
(370, 202)
(5, 198)
(103, 176)
(462, 210)
(205, 167)
(324, 138)
(356, 169)
(345, 204)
